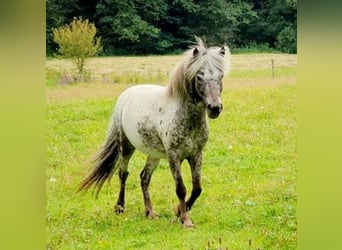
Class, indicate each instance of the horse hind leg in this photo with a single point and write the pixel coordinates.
(126, 151)
(120, 204)
(145, 177)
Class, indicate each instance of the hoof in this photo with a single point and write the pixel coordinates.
(151, 214)
(188, 224)
(185, 219)
(118, 209)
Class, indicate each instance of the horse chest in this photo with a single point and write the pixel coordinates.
(186, 137)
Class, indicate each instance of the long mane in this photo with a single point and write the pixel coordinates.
(185, 72)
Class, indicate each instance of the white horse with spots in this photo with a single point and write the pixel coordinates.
(164, 122)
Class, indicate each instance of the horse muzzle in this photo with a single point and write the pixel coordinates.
(214, 110)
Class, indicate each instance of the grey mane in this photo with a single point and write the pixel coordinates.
(202, 58)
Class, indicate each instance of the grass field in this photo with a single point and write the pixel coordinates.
(249, 167)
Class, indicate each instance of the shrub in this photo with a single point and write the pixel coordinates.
(254, 47)
(287, 40)
(77, 41)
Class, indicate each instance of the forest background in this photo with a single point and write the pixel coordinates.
(140, 27)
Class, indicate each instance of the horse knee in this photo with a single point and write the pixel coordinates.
(181, 191)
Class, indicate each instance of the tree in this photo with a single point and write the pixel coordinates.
(77, 41)
(220, 20)
(169, 26)
(58, 12)
(128, 26)
(274, 25)
(285, 14)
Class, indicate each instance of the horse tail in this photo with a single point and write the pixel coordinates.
(105, 164)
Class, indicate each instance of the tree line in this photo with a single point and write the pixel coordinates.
(141, 27)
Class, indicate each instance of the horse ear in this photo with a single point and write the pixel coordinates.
(195, 52)
(222, 50)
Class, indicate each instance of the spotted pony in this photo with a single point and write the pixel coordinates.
(164, 122)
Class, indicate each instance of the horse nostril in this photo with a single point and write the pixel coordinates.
(215, 109)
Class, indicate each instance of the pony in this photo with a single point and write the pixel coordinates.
(164, 122)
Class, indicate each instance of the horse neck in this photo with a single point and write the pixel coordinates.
(191, 110)
(180, 90)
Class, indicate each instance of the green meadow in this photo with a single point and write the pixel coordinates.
(248, 173)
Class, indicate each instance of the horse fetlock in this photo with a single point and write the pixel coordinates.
(184, 217)
(119, 209)
(151, 214)
(188, 205)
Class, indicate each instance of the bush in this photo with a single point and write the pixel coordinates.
(287, 40)
(77, 41)
(254, 47)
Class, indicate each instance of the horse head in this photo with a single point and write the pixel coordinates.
(207, 80)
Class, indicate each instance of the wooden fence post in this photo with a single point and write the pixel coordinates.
(272, 60)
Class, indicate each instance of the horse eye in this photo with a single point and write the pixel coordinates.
(199, 77)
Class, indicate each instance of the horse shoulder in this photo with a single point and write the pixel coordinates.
(181, 134)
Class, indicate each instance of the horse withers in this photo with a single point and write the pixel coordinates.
(164, 122)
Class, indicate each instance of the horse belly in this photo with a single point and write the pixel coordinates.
(146, 139)
(139, 120)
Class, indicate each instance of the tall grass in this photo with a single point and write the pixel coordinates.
(157, 69)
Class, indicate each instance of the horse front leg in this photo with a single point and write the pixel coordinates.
(181, 212)
(195, 163)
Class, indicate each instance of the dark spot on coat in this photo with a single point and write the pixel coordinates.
(150, 136)
(191, 133)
